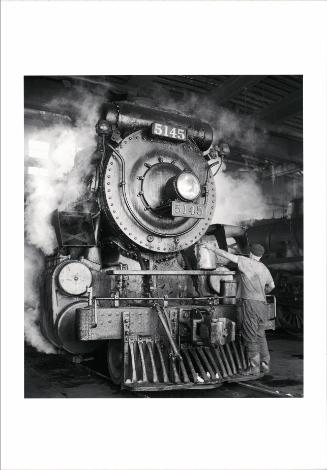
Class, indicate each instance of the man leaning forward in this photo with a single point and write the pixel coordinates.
(255, 281)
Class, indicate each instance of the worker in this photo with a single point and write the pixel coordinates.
(255, 281)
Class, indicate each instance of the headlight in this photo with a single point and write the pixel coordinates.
(188, 186)
(74, 278)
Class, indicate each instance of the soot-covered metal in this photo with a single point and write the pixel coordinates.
(166, 326)
(128, 268)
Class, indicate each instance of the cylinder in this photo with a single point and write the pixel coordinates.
(131, 117)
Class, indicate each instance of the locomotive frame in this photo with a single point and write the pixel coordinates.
(125, 271)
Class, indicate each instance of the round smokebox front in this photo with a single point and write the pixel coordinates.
(159, 194)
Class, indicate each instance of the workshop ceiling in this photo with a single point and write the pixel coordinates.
(274, 102)
(276, 99)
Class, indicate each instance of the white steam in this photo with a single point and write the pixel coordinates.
(33, 267)
(55, 186)
(238, 198)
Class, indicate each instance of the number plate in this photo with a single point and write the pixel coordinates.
(169, 132)
(188, 209)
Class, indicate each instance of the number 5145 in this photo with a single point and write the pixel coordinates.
(164, 130)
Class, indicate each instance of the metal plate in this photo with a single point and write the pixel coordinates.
(169, 132)
(188, 209)
(74, 228)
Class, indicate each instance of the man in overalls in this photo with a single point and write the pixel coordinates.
(255, 281)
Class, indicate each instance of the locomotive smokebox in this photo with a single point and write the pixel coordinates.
(129, 117)
(157, 188)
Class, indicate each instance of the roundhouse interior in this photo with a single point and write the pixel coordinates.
(261, 188)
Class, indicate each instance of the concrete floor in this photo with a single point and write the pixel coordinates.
(54, 376)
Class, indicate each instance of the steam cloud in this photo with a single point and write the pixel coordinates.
(238, 198)
(33, 266)
(56, 188)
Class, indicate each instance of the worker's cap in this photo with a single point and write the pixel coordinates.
(257, 249)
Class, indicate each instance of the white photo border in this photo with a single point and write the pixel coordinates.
(206, 37)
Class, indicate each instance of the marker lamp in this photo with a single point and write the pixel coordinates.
(103, 127)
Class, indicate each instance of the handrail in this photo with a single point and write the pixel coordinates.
(154, 272)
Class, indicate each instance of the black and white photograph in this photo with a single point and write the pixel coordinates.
(164, 236)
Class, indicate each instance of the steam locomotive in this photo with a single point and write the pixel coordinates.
(128, 271)
(283, 242)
